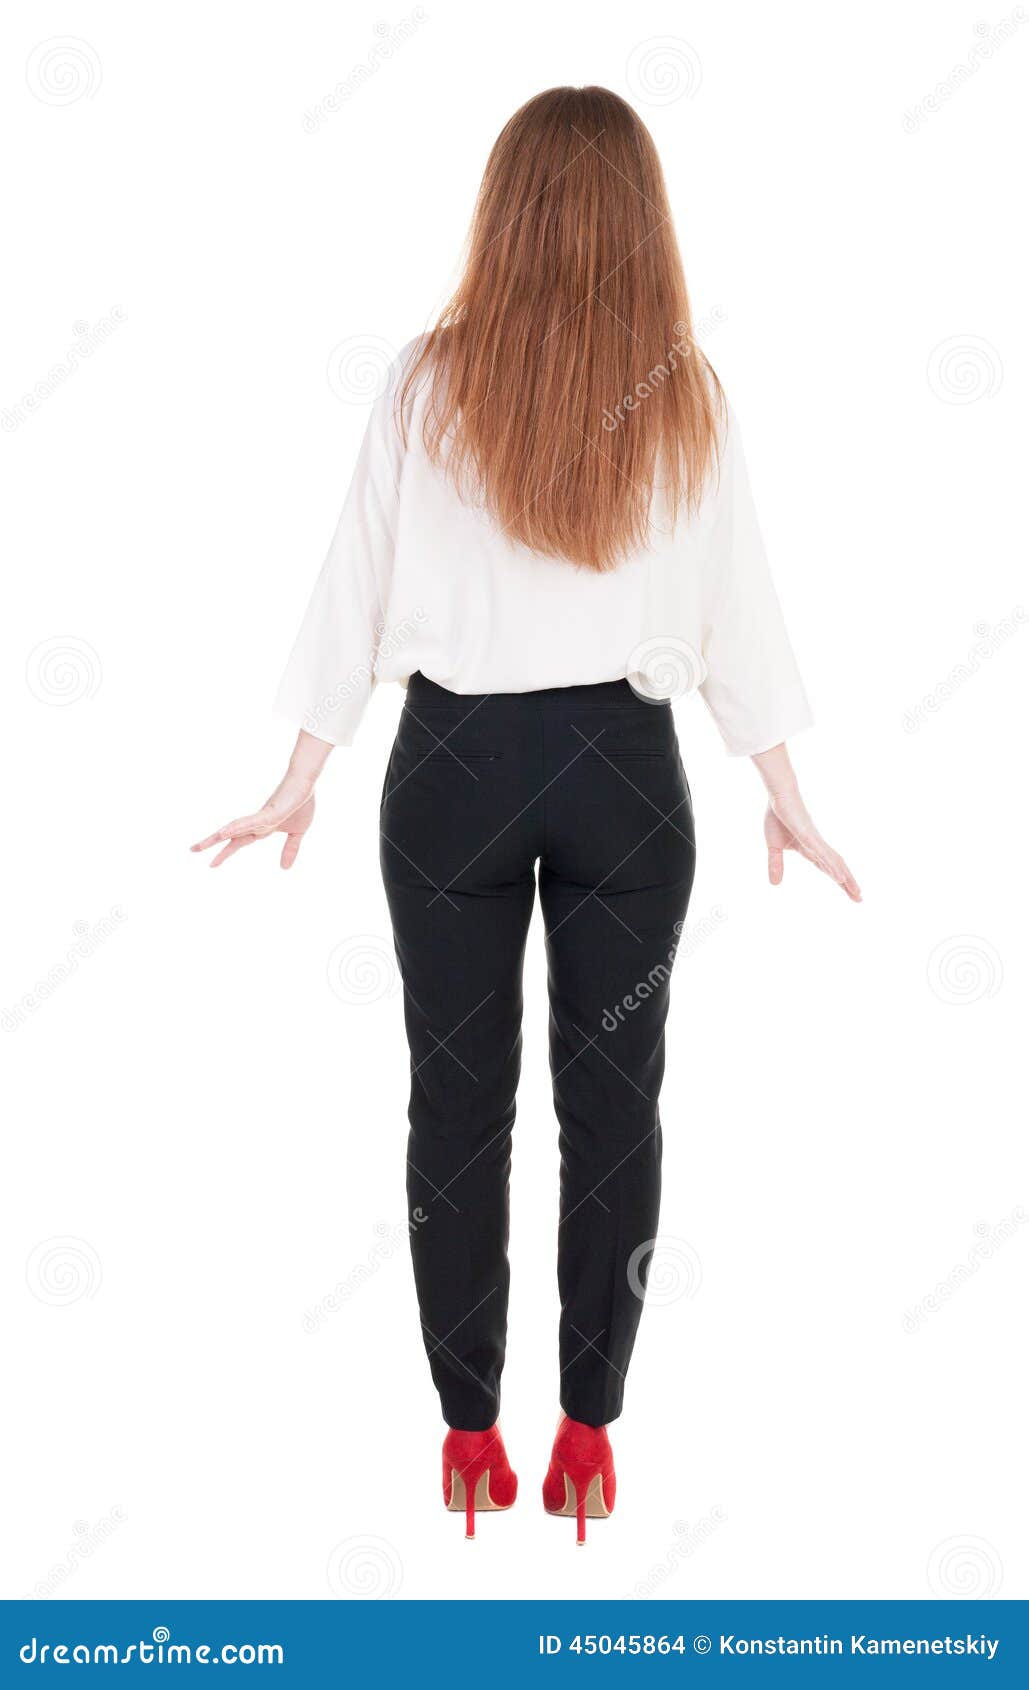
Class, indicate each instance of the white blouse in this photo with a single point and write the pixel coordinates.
(418, 578)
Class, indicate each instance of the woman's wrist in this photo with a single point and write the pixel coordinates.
(777, 772)
(308, 759)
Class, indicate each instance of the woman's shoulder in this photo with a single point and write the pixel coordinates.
(409, 375)
(397, 393)
(411, 352)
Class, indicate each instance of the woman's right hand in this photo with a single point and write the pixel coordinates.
(289, 810)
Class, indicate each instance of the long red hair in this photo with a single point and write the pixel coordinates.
(565, 383)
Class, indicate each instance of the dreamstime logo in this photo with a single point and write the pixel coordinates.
(390, 638)
(655, 378)
(389, 1239)
(991, 38)
(964, 969)
(968, 1567)
(360, 369)
(88, 938)
(88, 1539)
(988, 641)
(664, 1270)
(688, 1539)
(89, 337)
(63, 70)
(63, 1270)
(63, 670)
(988, 1241)
(660, 973)
(663, 70)
(365, 1567)
(664, 668)
(390, 38)
(362, 969)
(963, 369)
(696, 932)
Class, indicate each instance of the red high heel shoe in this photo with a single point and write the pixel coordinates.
(581, 1478)
(476, 1474)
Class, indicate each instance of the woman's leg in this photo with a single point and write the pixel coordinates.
(615, 881)
(457, 861)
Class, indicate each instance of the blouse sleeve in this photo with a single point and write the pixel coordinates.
(752, 686)
(331, 671)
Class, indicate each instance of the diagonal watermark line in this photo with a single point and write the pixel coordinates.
(478, 706)
(417, 866)
(616, 917)
(636, 485)
(621, 324)
(442, 1342)
(442, 1044)
(647, 836)
(546, 186)
(503, 1132)
(442, 743)
(638, 791)
(591, 1345)
(597, 890)
(440, 1192)
(591, 1044)
(427, 1018)
(559, 472)
(587, 1345)
(593, 291)
(518, 813)
(440, 1345)
(589, 898)
(581, 1352)
(495, 1439)
(608, 1175)
(611, 166)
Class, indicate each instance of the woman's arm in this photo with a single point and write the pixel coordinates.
(289, 810)
(331, 670)
(788, 827)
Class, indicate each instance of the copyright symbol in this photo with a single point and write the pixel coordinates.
(701, 1644)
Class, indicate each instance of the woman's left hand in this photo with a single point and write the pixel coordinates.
(788, 827)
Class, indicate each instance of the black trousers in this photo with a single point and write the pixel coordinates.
(586, 782)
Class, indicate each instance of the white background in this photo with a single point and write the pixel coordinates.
(215, 1134)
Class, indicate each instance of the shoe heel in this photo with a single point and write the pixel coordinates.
(581, 1479)
(471, 1485)
(477, 1475)
(582, 1490)
(464, 1492)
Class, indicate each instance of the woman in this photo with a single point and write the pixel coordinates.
(550, 513)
